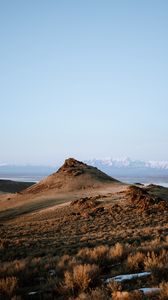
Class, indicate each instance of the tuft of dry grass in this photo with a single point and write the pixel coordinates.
(8, 285)
(135, 295)
(102, 254)
(63, 261)
(154, 261)
(98, 294)
(114, 286)
(135, 262)
(117, 251)
(12, 268)
(97, 255)
(164, 291)
(81, 277)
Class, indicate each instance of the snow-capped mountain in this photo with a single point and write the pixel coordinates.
(116, 167)
(126, 166)
(157, 164)
(128, 163)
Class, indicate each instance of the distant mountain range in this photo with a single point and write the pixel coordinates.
(111, 166)
(127, 166)
(128, 163)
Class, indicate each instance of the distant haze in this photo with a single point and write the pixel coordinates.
(83, 79)
(124, 169)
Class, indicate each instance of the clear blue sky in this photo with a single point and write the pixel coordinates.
(83, 79)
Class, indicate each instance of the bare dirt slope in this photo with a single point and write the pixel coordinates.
(72, 181)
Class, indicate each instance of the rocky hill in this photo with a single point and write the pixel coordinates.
(73, 175)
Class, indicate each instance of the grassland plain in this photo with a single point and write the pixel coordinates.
(75, 249)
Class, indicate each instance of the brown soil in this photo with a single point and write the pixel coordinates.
(73, 175)
(110, 230)
(71, 182)
(146, 198)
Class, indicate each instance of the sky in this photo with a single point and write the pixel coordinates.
(84, 79)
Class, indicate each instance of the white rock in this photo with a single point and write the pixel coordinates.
(32, 293)
(148, 291)
(124, 277)
(52, 272)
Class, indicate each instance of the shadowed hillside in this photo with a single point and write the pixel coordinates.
(10, 186)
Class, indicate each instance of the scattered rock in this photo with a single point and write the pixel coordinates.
(97, 210)
(87, 202)
(143, 200)
(85, 214)
(52, 272)
(151, 186)
(149, 291)
(121, 278)
(32, 293)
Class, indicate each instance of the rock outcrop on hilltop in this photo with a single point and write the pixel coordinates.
(144, 200)
(73, 175)
(73, 167)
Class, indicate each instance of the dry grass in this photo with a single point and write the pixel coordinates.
(14, 267)
(135, 262)
(98, 294)
(97, 255)
(8, 286)
(81, 277)
(117, 251)
(70, 251)
(154, 261)
(127, 295)
(164, 291)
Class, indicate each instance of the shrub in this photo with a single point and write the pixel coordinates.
(154, 261)
(63, 261)
(81, 277)
(135, 261)
(127, 295)
(13, 267)
(97, 255)
(102, 254)
(98, 294)
(114, 286)
(117, 251)
(8, 285)
(164, 291)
